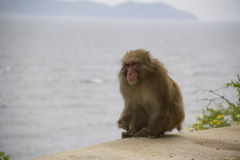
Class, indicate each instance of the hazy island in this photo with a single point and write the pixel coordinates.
(128, 10)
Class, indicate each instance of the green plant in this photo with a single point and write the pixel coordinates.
(220, 116)
(3, 157)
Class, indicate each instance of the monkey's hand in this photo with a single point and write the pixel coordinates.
(127, 134)
(145, 133)
(123, 125)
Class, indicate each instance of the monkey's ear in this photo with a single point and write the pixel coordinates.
(122, 62)
(123, 70)
(148, 56)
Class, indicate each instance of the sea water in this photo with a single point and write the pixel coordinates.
(59, 86)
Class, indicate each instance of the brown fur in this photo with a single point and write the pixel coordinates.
(154, 104)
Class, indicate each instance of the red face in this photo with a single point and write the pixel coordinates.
(131, 72)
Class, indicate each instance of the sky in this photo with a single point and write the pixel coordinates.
(205, 10)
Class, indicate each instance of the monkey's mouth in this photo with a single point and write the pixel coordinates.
(131, 77)
(132, 81)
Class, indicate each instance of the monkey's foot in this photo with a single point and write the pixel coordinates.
(127, 134)
(161, 134)
(145, 133)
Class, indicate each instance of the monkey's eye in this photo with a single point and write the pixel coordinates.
(133, 64)
(127, 65)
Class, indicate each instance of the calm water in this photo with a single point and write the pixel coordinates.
(59, 88)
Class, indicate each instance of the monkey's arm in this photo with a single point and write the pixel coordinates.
(125, 119)
(124, 122)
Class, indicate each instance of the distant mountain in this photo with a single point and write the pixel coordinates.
(130, 10)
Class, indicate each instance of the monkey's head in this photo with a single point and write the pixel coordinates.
(132, 64)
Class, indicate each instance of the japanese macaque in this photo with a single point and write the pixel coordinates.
(152, 100)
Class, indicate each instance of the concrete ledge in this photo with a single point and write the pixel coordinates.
(220, 143)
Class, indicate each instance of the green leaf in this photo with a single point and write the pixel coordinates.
(1, 154)
(6, 157)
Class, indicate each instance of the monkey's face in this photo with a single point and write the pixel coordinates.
(132, 72)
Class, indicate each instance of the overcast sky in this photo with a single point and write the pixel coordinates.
(205, 10)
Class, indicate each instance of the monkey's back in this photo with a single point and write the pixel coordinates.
(171, 88)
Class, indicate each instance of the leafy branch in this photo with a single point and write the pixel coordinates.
(219, 117)
(3, 157)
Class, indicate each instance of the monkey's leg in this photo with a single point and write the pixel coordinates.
(140, 120)
(154, 128)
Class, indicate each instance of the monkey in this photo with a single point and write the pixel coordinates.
(153, 102)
